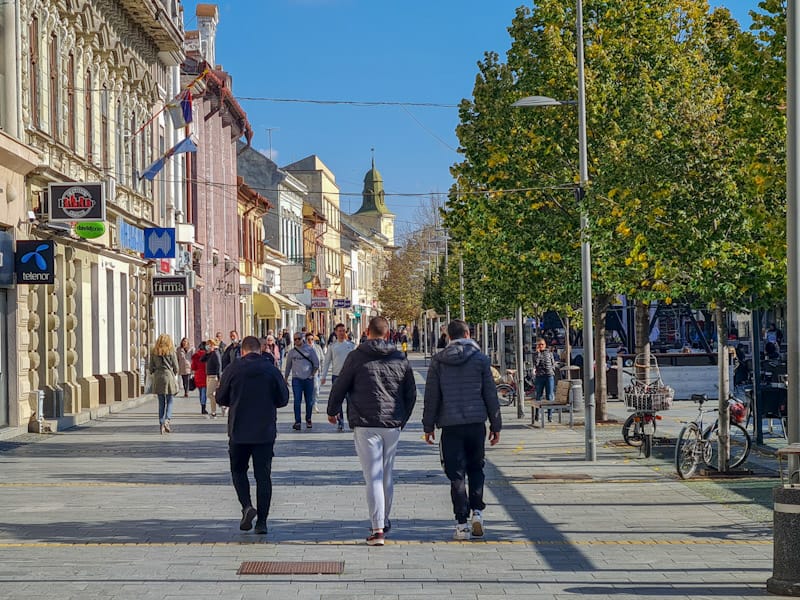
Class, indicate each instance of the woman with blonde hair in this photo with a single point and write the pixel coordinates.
(163, 368)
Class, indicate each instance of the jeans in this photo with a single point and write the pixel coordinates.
(340, 416)
(203, 396)
(302, 387)
(164, 407)
(262, 469)
(185, 379)
(542, 383)
(376, 448)
(463, 453)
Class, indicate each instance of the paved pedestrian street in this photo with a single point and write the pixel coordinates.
(112, 509)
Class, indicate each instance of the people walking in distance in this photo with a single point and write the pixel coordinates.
(213, 362)
(460, 395)
(302, 364)
(184, 354)
(415, 339)
(379, 385)
(334, 361)
(268, 346)
(232, 351)
(313, 343)
(284, 342)
(220, 342)
(253, 389)
(443, 339)
(544, 373)
(199, 370)
(163, 367)
(774, 335)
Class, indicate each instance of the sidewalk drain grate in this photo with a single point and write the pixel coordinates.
(576, 476)
(314, 567)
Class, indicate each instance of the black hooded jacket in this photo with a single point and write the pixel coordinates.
(379, 385)
(460, 389)
(254, 389)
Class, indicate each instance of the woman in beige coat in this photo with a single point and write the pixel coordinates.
(163, 368)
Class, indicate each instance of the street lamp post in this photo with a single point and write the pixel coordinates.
(586, 255)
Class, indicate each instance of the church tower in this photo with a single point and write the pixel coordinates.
(373, 213)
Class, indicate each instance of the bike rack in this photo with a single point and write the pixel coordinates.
(790, 450)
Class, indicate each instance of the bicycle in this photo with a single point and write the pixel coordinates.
(697, 443)
(507, 388)
(645, 397)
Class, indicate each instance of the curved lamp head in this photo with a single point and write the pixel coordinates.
(541, 101)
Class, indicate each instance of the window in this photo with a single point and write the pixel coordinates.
(88, 116)
(55, 88)
(134, 158)
(119, 155)
(71, 101)
(33, 70)
(104, 128)
(162, 184)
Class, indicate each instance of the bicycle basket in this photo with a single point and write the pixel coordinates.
(648, 398)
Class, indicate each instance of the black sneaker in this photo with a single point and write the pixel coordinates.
(248, 515)
(387, 528)
(296, 426)
(261, 527)
(375, 539)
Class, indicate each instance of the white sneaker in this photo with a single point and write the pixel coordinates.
(461, 532)
(477, 523)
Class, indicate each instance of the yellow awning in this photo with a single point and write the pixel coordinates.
(265, 307)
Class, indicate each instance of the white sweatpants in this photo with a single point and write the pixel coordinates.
(376, 448)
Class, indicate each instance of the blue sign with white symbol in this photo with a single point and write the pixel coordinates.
(6, 260)
(35, 262)
(159, 242)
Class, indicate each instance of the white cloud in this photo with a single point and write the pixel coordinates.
(271, 154)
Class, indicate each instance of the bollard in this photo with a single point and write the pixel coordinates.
(785, 578)
(40, 406)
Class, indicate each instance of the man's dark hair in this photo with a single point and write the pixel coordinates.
(457, 329)
(338, 325)
(378, 326)
(251, 344)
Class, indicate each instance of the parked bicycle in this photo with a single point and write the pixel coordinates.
(645, 397)
(507, 388)
(698, 443)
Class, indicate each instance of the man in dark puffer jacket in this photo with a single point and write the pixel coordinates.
(381, 393)
(460, 395)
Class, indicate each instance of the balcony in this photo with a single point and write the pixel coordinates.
(155, 18)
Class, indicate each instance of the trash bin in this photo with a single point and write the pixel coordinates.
(570, 372)
(576, 394)
(785, 579)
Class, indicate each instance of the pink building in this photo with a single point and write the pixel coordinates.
(211, 194)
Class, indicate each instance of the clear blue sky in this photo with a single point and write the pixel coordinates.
(365, 50)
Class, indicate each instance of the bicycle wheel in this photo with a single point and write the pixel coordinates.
(632, 431)
(740, 445)
(648, 445)
(506, 394)
(687, 449)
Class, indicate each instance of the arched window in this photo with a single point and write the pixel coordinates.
(33, 70)
(134, 157)
(104, 131)
(55, 88)
(71, 101)
(119, 139)
(88, 110)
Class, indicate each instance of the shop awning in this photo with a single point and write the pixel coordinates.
(288, 303)
(266, 307)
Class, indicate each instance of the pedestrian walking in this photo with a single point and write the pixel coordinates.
(213, 362)
(334, 361)
(199, 372)
(163, 368)
(460, 395)
(253, 389)
(220, 343)
(544, 373)
(314, 344)
(379, 385)
(232, 351)
(268, 346)
(302, 364)
(184, 353)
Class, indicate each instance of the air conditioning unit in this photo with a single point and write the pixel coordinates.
(191, 280)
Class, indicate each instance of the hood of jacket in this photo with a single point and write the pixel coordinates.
(377, 348)
(458, 352)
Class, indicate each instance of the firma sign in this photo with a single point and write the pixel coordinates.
(170, 286)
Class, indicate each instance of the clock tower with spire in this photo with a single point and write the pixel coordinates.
(373, 213)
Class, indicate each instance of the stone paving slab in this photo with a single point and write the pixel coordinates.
(112, 509)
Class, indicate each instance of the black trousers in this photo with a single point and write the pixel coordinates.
(262, 469)
(463, 456)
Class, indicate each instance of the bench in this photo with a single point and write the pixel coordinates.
(560, 404)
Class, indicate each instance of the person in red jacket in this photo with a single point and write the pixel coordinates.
(199, 370)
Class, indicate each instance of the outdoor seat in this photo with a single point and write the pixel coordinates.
(560, 404)
(772, 402)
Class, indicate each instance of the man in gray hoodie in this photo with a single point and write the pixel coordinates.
(460, 395)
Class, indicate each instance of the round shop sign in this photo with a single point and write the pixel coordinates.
(90, 230)
(76, 202)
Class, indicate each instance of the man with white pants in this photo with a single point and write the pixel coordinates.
(379, 385)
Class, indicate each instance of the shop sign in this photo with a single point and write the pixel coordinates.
(6, 259)
(319, 293)
(170, 286)
(164, 266)
(35, 262)
(90, 229)
(129, 236)
(159, 242)
(74, 201)
(319, 303)
(245, 289)
(341, 303)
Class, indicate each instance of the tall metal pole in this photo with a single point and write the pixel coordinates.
(586, 256)
(520, 365)
(792, 226)
(461, 287)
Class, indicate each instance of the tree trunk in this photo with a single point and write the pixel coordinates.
(724, 384)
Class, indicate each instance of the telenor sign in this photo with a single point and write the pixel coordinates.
(90, 230)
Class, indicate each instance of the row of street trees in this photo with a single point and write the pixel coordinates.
(686, 140)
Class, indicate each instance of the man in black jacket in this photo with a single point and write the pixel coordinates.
(254, 390)
(381, 393)
(460, 395)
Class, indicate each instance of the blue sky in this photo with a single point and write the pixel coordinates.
(365, 50)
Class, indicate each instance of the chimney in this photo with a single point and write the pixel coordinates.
(207, 19)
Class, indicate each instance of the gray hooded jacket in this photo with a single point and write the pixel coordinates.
(460, 389)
